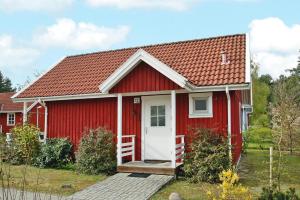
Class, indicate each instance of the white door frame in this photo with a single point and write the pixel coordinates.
(143, 121)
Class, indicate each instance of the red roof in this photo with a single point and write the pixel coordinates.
(198, 60)
(7, 105)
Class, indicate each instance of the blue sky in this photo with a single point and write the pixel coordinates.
(36, 34)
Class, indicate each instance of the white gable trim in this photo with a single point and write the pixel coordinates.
(133, 61)
(248, 60)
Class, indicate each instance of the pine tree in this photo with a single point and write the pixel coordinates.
(5, 84)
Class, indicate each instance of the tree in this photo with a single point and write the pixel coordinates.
(261, 91)
(5, 84)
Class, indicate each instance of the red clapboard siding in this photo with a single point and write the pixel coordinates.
(69, 119)
(3, 122)
(236, 139)
(144, 78)
(32, 117)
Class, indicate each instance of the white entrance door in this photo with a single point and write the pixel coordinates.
(157, 127)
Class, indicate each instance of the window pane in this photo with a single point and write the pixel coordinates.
(153, 110)
(200, 104)
(161, 110)
(161, 121)
(153, 121)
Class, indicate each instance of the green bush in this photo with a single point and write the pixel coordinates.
(25, 145)
(56, 153)
(274, 194)
(96, 153)
(208, 156)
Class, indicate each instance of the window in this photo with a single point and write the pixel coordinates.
(200, 105)
(158, 116)
(11, 119)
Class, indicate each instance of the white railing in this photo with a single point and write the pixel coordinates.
(128, 147)
(180, 147)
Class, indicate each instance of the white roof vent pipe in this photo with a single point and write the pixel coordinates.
(225, 61)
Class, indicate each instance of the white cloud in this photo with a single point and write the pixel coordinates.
(126, 4)
(274, 45)
(177, 5)
(67, 33)
(34, 5)
(16, 60)
(12, 55)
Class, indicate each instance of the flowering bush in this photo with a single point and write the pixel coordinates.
(230, 189)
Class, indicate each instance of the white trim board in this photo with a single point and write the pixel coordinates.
(133, 61)
(101, 95)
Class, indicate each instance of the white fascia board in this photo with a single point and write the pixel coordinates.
(245, 86)
(35, 80)
(12, 111)
(135, 59)
(66, 97)
(248, 60)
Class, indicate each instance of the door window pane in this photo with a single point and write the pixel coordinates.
(161, 120)
(158, 115)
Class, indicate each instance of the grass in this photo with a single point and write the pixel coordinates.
(253, 171)
(48, 180)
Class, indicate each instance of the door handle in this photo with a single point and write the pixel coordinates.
(146, 130)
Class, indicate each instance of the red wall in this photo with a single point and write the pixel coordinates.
(71, 118)
(33, 115)
(3, 122)
(144, 78)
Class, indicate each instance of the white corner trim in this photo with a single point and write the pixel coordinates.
(35, 80)
(135, 59)
(192, 113)
(248, 60)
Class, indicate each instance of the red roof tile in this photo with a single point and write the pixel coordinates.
(7, 105)
(197, 60)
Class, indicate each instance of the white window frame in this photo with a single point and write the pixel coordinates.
(9, 124)
(197, 114)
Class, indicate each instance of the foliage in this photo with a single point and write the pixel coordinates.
(259, 135)
(5, 84)
(230, 189)
(274, 194)
(208, 156)
(25, 145)
(261, 91)
(96, 153)
(56, 153)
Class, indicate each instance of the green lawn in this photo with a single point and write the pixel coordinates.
(254, 173)
(47, 180)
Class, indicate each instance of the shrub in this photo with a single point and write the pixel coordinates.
(56, 153)
(25, 145)
(208, 156)
(96, 153)
(271, 193)
(230, 189)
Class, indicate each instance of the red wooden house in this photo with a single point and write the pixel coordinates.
(11, 113)
(149, 96)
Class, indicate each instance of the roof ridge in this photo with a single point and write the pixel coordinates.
(157, 44)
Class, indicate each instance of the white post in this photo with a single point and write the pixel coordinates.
(229, 122)
(271, 166)
(173, 127)
(46, 123)
(119, 129)
(182, 142)
(133, 148)
(24, 113)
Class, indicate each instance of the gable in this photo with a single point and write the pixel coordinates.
(144, 78)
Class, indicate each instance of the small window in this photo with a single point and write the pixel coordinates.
(200, 105)
(11, 119)
(158, 116)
